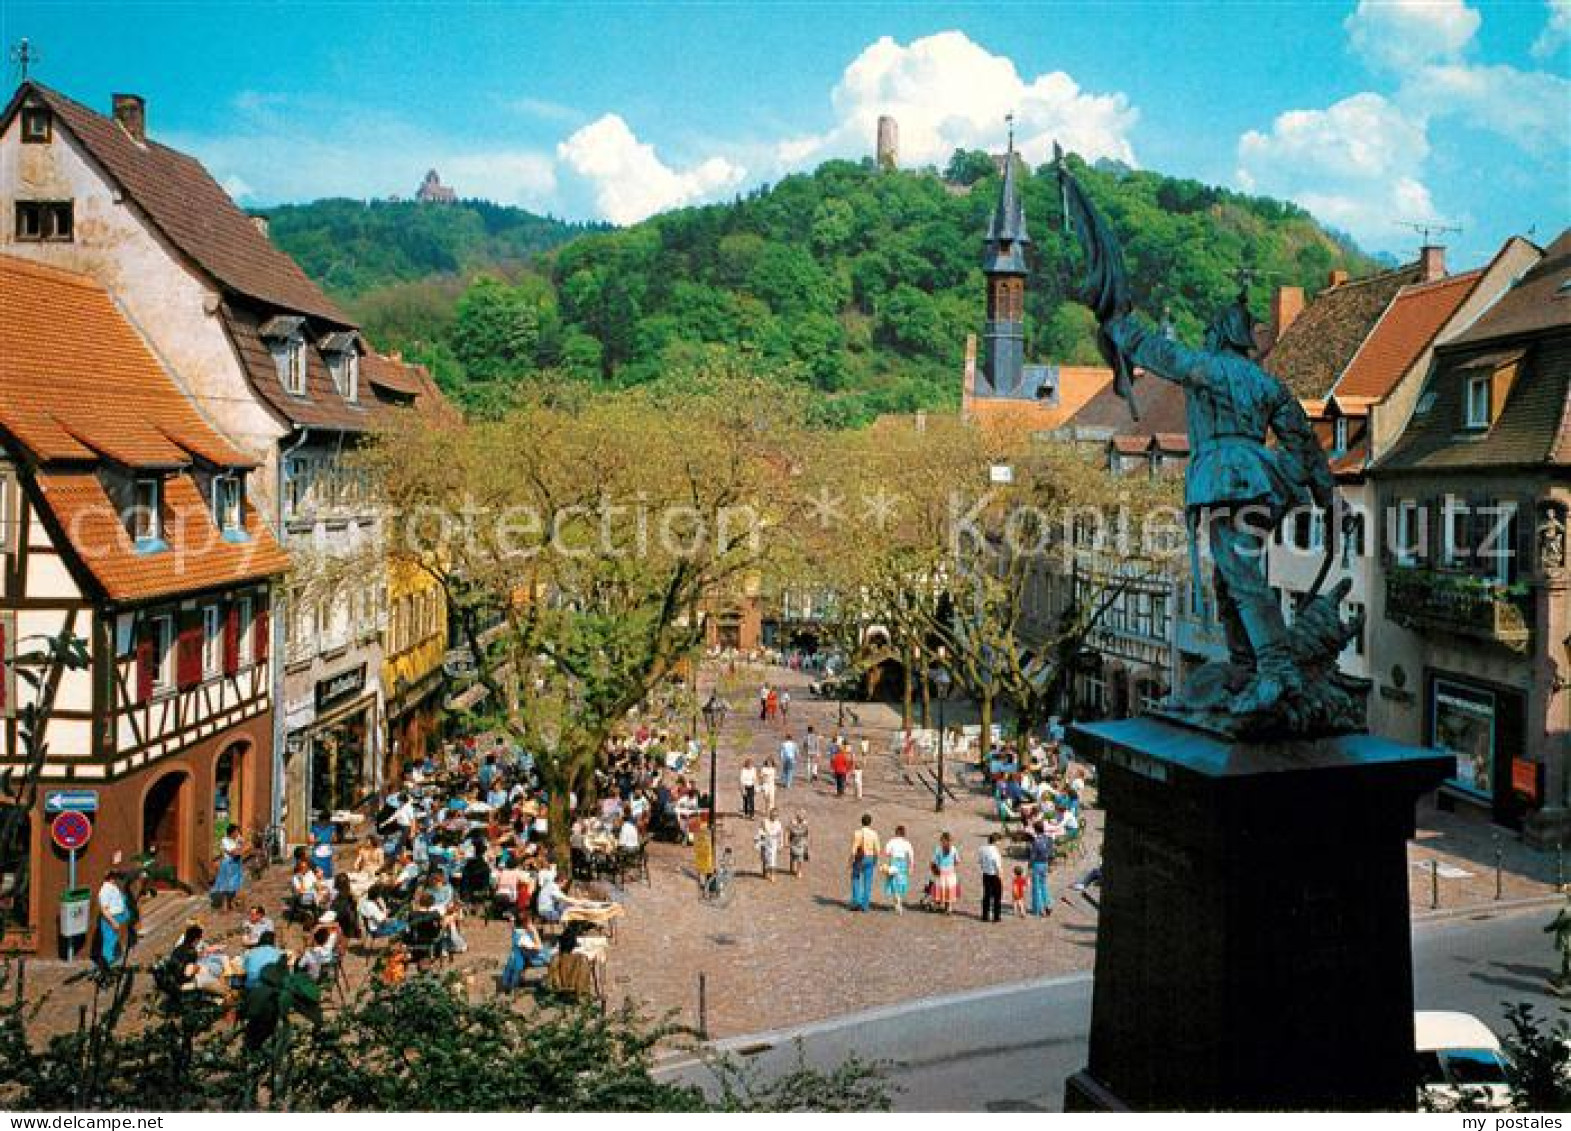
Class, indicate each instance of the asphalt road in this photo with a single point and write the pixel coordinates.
(1010, 1048)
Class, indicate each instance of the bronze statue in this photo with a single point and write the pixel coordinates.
(1238, 489)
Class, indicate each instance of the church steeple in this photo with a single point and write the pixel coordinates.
(1004, 264)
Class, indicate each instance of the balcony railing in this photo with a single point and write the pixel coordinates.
(1461, 604)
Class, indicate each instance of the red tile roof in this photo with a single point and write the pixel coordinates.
(1316, 348)
(198, 559)
(1407, 328)
(78, 383)
(184, 203)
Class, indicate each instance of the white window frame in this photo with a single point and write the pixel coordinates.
(147, 520)
(7, 503)
(346, 375)
(229, 491)
(212, 642)
(1453, 516)
(1406, 549)
(292, 367)
(1476, 410)
(164, 642)
(1339, 442)
(245, 620)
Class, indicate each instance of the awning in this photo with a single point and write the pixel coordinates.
(466, 699)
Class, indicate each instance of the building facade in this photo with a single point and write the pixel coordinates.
(126, 522)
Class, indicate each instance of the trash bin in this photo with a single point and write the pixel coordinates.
(76, 915)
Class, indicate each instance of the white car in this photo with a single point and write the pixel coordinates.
(1459, 1056)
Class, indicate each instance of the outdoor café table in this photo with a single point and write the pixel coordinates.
(600, 915)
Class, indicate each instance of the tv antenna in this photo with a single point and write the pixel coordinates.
(1430, 231)
(23, 56)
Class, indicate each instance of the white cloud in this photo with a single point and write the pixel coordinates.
(627, 177)
(1401, 34)
(1530, 108)
(1355, 165)
(1557, 31)
(947, 92)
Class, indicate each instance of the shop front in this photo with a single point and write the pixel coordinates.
(413, 721)
(330, 762)
(1482, 726)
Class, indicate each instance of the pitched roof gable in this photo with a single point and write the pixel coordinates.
(192, 211)
(1316, 348)
(1407, 327)
(77, 383)
(1540, 300)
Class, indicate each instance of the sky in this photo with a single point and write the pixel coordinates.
(1373, 115)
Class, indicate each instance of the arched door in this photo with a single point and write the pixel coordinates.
(164, 815)
(229, 787)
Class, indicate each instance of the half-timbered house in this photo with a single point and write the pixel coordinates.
(126, 521)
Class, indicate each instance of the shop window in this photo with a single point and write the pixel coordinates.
(1462, 723)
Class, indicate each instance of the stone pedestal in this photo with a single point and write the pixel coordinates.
(1254, 950)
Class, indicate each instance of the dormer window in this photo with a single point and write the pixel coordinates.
(285, 336)
(1340, 441)
(343, 361)
(1476, 402)
(146, 518)
(228, 506)
(37, 127)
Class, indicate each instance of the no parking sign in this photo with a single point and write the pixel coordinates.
(70, 831)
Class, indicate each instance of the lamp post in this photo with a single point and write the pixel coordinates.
(714, 713)
(941, 682)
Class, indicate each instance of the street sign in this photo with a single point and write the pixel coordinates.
(71, 801)
(71, 830)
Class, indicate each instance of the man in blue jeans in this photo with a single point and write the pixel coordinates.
(787, 761)
(1041, 857)
(865, 848)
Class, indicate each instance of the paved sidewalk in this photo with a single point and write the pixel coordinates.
(790, 953)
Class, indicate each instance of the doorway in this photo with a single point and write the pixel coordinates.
(229, 788)
(163, 825)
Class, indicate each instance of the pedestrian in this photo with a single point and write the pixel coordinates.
(770, 833)
(231, 869)
(859, 760)
(749, 780)
(946, 875)
(840, 766)
(1017, 891)
(772, 705)
(114, 919)
(796, 839)
(898, 855)
(787, 761)
(812, 747)
(767, 777)
(785, 704)
(763, 703)
(1041, 857)
(864, 861)
(992, 864)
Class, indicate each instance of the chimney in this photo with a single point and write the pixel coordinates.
(261, 225)
(1286, 305)
(1431, 263)
(131, 113)
(1336, 278)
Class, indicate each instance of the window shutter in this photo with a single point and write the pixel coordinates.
(144, 664)
(188, 650)
(5, 669)
(259, 625)
(232, 638)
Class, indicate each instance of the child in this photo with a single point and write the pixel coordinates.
(1017, 891)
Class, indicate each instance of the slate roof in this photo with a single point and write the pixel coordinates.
(1406, 328)
(1316, 348)
(183, 202)
(1161, 410)
(1533, 428)
(321, 407)
(78, 383)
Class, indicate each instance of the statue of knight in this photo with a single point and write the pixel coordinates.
(1238, 490)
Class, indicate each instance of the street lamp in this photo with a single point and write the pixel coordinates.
(714, 713)
(941, 680)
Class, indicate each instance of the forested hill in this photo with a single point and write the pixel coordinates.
(352, 246)
(860, 283)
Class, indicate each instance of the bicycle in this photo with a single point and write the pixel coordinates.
(266, 848)
(716, 887)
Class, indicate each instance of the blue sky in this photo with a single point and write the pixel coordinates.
(1369, 114)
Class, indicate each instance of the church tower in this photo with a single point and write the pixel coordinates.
(1004, 264)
